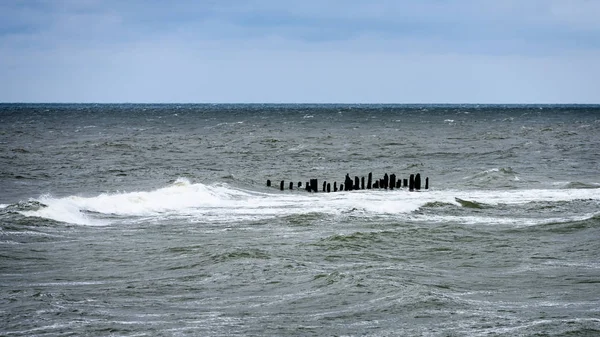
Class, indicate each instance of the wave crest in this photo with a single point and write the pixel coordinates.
(222, 203)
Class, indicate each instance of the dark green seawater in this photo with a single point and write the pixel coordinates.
(155, 220)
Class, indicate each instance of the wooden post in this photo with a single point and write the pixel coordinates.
(268, 183)
(342, 187)
(386, 180)
(405, 182)
(299, 184)
(376, 185)
(281, 185)
(392, 181)
(418, 181)
(328, 187)
(291, 185)
(307, 186)
(335, 186)
(369, 180)
(324, 186)
(314, 185)
(427, 183)
(348, 183)
(399, 183)
(362, 183)
(356, 183)
(411, 183)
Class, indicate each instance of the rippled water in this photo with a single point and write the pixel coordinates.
(156, 220)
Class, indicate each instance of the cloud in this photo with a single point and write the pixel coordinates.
(301, 51)
(464, 23)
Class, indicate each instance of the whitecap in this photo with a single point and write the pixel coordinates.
(222, 203)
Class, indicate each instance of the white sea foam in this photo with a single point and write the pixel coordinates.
(223, 203)
(507, 221)
(63, 210)
(495, 197)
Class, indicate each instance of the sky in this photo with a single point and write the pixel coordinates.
(308, 51)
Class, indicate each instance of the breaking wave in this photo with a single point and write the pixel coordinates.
(222, 203)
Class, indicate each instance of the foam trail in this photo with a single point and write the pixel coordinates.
(510, 221)
(495, 197)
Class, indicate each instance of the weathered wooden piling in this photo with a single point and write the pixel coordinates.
(391, 181)
(314, 185)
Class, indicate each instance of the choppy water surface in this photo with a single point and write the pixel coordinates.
(137, 220)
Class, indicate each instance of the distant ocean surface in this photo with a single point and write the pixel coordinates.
(155, 220)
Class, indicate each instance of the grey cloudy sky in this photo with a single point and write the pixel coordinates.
(354, 51)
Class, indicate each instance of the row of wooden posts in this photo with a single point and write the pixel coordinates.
(387, 182)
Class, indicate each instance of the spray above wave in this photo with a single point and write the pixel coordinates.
(222, 203)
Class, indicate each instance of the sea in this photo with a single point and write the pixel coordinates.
(156, 220)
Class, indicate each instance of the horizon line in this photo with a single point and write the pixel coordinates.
(296, 103)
